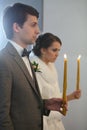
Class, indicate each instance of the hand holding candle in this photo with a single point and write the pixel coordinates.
(64, 84)
(78, 73)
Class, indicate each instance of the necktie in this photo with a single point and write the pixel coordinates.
(25, 53)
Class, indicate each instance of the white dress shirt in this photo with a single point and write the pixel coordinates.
(25, 58)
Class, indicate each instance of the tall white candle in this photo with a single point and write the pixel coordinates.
(78, 73)
(65, 83)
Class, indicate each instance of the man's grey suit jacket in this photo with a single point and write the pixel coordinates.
(21, 106)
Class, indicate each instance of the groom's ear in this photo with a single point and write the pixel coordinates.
(16, 27)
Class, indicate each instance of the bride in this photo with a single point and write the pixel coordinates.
(43, 56)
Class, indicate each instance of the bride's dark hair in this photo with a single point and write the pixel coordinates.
(44, 41)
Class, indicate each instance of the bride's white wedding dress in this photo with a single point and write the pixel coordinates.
(49, 88)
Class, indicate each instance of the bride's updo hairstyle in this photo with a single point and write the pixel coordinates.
(44, 41)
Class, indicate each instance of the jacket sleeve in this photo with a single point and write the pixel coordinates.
(5, 97)
(45, 111)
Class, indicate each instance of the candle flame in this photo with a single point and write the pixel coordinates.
(65, 56)
(79, 57)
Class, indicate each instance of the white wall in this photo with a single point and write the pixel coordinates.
(68, 20)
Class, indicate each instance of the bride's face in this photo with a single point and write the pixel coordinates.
(50, 54)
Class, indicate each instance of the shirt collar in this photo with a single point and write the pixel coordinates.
(17, 47)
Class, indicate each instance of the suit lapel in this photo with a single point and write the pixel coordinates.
(22, 65)
(35, 80)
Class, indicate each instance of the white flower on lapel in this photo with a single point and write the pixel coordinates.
(35, 66)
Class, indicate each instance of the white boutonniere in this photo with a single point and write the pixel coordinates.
(35, 66)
